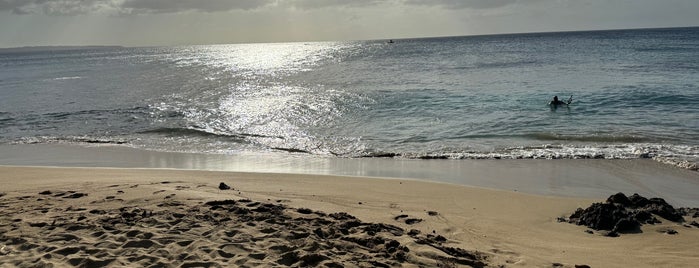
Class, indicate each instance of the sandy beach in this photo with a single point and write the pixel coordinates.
(93, 217)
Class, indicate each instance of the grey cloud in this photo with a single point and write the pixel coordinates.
(124, 7)
(55, 7)
(173, 6)
(74, 7)
(314, 4)
(12, 4)
(461, 4)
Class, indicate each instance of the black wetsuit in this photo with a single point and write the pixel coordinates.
(557, 103)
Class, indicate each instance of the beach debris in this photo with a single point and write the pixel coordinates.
(4, 250)
(622, 214)
(223, 186)
(432, 213)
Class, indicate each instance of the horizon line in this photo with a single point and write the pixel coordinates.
(69, 47)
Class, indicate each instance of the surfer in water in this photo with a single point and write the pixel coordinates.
(555, 102)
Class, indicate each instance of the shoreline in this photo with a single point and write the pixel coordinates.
(583, 178)
(502, 227)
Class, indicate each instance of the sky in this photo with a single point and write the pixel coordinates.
(190, 22)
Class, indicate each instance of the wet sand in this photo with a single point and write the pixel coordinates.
(586, 178)
(155, 217)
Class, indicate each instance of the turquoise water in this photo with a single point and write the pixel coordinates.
(635, 95)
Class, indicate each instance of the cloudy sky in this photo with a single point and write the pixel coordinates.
(182, 22)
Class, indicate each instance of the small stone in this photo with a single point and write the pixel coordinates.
(671, 232)
(223, 186)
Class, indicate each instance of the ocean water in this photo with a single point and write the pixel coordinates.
(635, 95)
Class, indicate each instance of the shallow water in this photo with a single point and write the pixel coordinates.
(635, 95)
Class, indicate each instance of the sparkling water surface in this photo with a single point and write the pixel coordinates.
(635, 95)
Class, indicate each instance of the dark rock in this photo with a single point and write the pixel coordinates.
(638, 201)
(692, 212)
(627, 226)
(620, 214)
(582, 266)
(645, 217)
(671, 232)
(599, 216)
(223, 186)
(659, 207)
(392, 244)
(619, 198)
(612, 234)
(47, 192)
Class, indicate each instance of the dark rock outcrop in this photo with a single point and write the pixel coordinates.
(622, 214)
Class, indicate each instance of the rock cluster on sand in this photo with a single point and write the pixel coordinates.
(622, 214)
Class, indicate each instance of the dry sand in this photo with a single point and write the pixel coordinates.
(164, 218)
